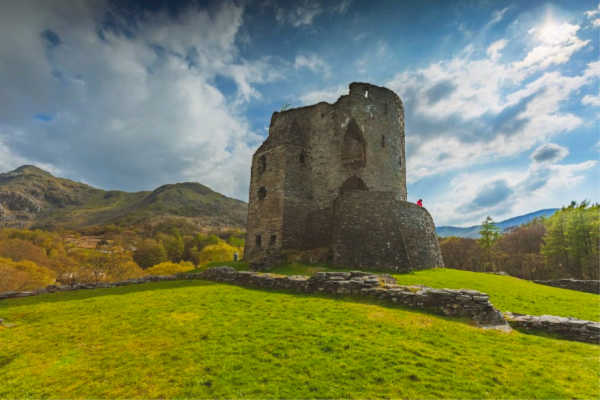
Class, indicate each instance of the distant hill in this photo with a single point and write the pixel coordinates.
(32, 197)
(473, 231)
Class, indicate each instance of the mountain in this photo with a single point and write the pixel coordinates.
(473, 231)
(32, 197)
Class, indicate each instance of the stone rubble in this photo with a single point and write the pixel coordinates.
(568, 328)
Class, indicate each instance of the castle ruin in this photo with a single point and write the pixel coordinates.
(329, 185)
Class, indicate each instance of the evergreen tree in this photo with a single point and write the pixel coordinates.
(489, 235)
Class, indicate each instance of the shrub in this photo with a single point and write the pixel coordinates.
(23, 275)
(170, 268)
(221, 251)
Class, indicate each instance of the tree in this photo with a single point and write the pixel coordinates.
(23, 275)
(174, 246)
(489, 235)
(572, 240)
(149, 253)
(461, 253)
(111, 266)
(518, 251)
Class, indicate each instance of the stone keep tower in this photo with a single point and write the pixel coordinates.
(329, 185)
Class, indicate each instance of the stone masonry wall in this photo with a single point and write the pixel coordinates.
(311, 155)
(458, 303)
(590, 286)
(376, 230)
(568, 328)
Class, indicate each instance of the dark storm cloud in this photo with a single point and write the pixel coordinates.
(489, 196)
(549, 153)
(440, 91)
(535, 180)
(508, 120)
(51, 38)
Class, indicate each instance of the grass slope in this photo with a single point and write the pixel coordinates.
(506, 293)
(207, 340)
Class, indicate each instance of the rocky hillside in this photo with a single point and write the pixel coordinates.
(31, 197)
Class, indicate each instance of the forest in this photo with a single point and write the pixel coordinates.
(564, 245)
(31, 259)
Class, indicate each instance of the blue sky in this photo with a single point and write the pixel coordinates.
(501, 98)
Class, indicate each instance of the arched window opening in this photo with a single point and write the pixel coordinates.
(262, 164)
(353, 183)
(353, 149)
(273, 240)
(302, 158)
(382, 140)
(400, 161)
(258, 241)
(262, 193)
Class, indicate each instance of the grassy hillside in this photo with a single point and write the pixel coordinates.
(30, 196)
(206, 340)
(506, 292)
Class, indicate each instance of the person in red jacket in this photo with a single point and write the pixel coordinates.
(420, 202)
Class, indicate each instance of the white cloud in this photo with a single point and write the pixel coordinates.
(505, 193)
(342, 7)
(301, 13)
(493, 50)
(312, 62)
(471, 110)
(591, 100)
(128, 110)
(329, 95)
(497, 16)
(558, 43)
(10, 161)
(593, 13)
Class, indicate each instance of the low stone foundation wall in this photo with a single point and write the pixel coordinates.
(574, 284)
(100, 285)
(568, 328)
(459, 303)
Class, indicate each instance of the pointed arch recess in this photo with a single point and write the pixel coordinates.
(353, 183)
(354, 146)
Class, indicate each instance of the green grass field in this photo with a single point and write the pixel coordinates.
(207, 340)
(506, 293)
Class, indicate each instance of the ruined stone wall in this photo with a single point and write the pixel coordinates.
(567, 328)
(265, 207)
(459, 303)
(378, 119)
(375, 230)
(314, 153)
(590, 286)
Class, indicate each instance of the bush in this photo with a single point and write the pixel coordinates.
(23, 275)
(221, 251)
(149, 253)
(170, 268)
